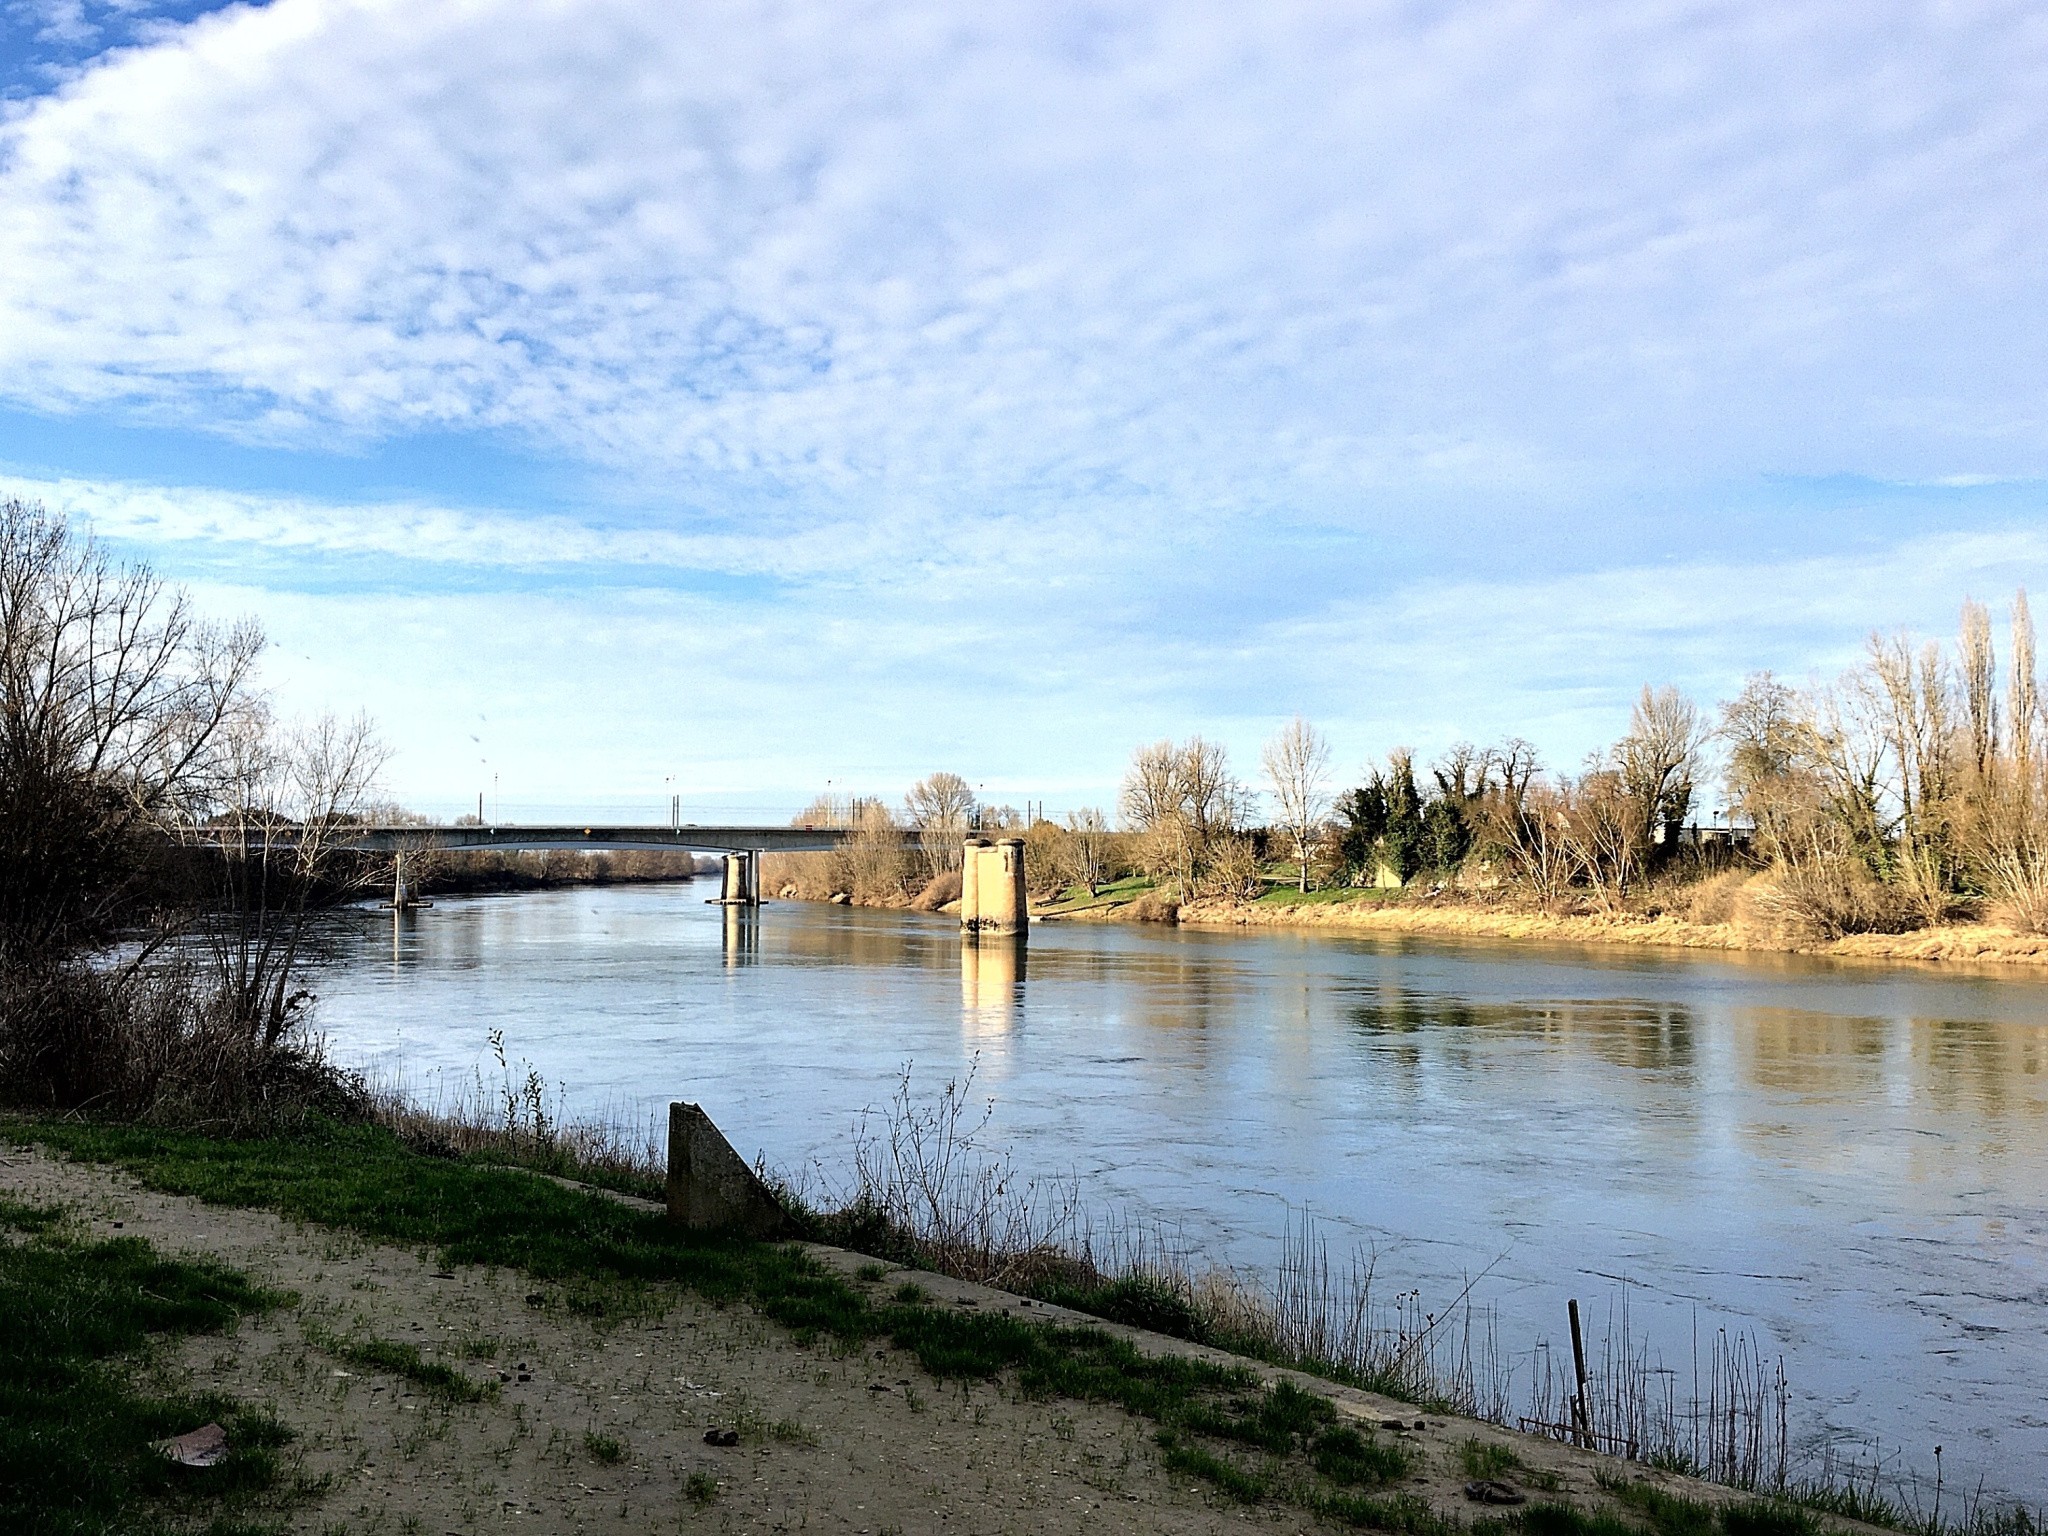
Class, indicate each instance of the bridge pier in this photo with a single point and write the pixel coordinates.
(404, 897)
(742, 882)
(992, 896)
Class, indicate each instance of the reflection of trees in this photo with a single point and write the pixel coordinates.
(1803, 1051)
(1997, 1070)
(1643, 1036)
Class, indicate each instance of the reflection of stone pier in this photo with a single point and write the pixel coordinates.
(742, 937)
(992, 899)
(991, 985)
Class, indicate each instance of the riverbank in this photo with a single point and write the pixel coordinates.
(1380, 912)
(449, 1346)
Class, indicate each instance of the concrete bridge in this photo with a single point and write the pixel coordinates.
(524, 839)
(992, 897)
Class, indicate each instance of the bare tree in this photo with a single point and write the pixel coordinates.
(1601, 821)
(1461, 773)
(112, 697)
(1658, 760)
(280, 830)
(1533, 830)
(1979, 669)
(2023, 699)
(1297, 763)
(1086, 847)
(941, 808)
(1914, 698)
(869, 865)
(1181, 799)
(1764, 730)
(1512, 767)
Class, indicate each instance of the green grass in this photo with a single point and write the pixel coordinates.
(1137, 1301)
(405, 1361)
(1669, 1514)
(607, 1260)
(1110, 893)
(603, 1448)
(1345, 1456)
(77, 1320)
(1340, 895)
(1481, 1458)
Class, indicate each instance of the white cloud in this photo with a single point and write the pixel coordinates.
(607, 675)
(1004, 385)
(1240, 256)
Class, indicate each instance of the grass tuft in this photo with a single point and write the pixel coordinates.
(1345, 1456)
(404, 1361)
(1482, 1458)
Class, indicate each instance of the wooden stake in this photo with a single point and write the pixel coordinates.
(1585, 1427)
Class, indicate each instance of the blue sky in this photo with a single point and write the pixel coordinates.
(751, 395)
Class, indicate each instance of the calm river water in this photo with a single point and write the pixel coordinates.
(1850, 1161)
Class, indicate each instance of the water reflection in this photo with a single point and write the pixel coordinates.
(740, 935)
(991, 987)
(1849, 1159)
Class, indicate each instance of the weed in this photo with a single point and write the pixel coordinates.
(700, 1487)
(1343, 1455)
(1481, 1458)
(604, 1448)
(1242, 1484)
(870, 1273)
(404, 1361)
(1552, 1519)
(1402, 1514)
(911, 1294)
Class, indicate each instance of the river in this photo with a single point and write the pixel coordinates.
(1847, 1160)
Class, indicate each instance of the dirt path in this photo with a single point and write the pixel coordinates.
(600, 1426)
(866, 1443)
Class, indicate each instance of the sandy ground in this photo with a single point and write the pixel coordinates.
(861, 1443)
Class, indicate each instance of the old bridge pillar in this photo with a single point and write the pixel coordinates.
(404, 895)
(992, 899)
(742, 887)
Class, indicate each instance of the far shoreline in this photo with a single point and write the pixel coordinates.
(1949, 944)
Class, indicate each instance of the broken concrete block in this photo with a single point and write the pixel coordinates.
(710, 1186)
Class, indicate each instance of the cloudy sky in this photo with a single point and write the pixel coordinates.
(754, 395)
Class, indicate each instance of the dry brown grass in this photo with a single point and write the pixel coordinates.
(940, 889)
(1152, 907)
(1828, 897)
(1718, 899)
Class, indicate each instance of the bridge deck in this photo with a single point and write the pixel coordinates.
(696, 839)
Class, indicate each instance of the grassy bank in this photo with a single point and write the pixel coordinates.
(1473, 916)
(1259, 1441)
